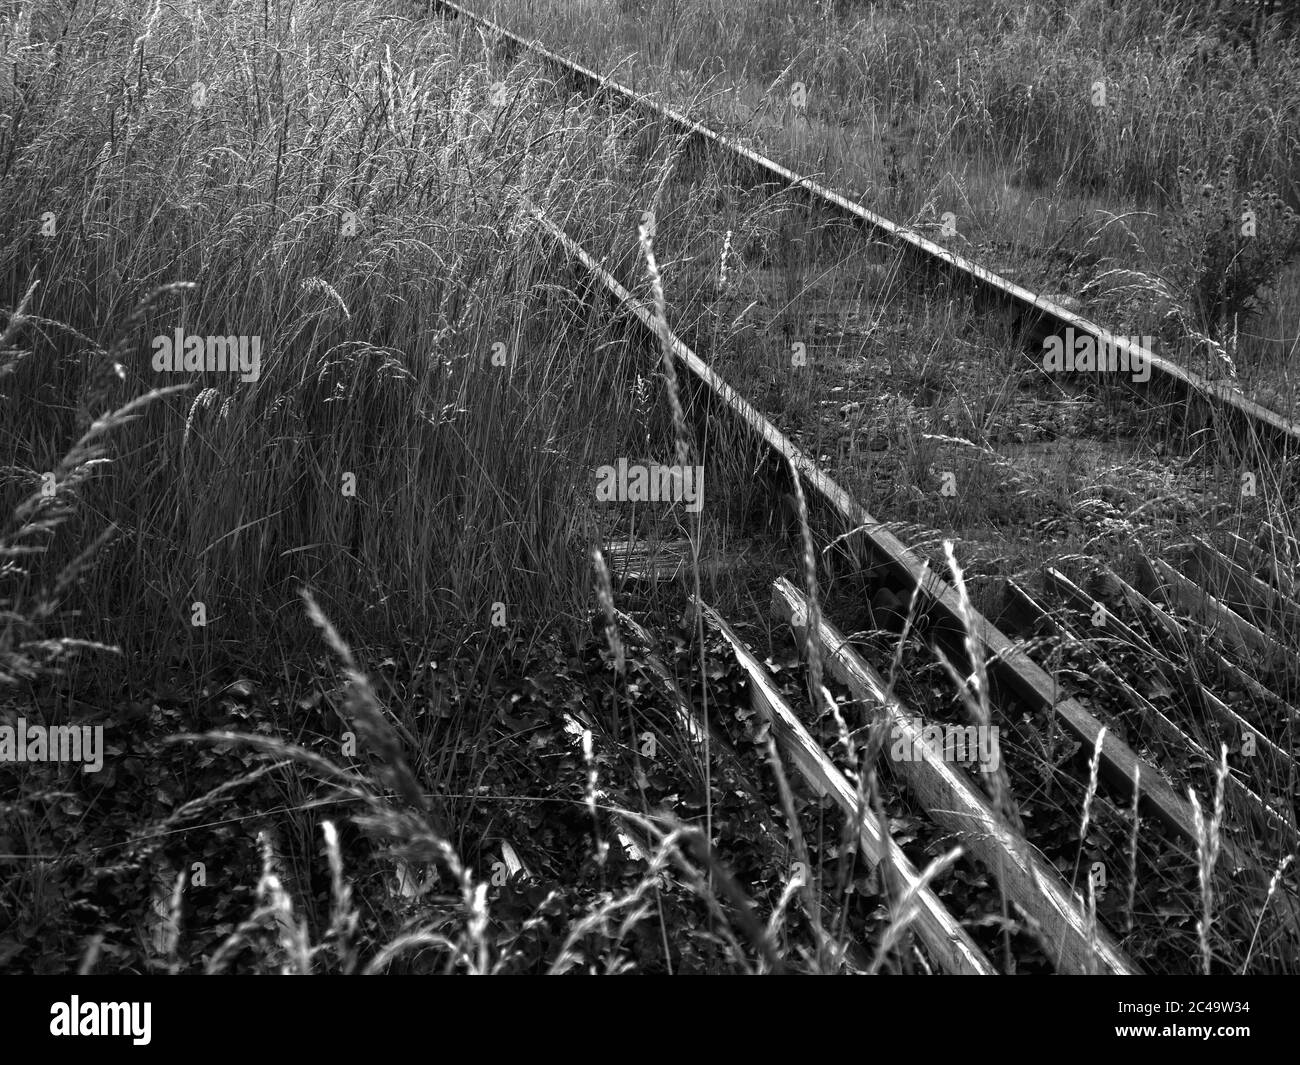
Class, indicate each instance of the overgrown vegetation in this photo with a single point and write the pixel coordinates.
(1041, 127)
(1231, 246)
(334, 611)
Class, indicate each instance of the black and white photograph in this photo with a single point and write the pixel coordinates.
(650, 487)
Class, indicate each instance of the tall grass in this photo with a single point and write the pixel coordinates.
(351, 186)
(333, 179)
(1003, 82)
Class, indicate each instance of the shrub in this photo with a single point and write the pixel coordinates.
(1227, 247)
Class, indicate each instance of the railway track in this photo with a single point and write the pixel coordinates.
(1137, 739)
(1019, 679)
(1039, 313)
